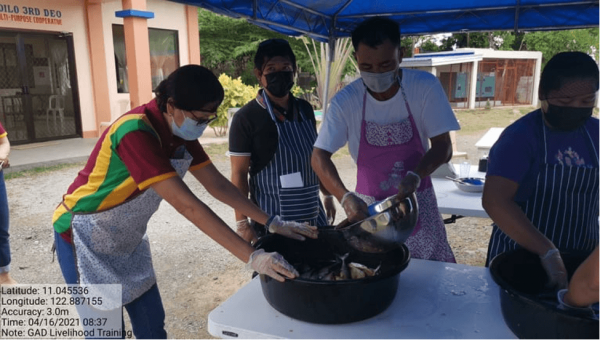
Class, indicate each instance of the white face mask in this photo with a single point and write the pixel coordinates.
(379, 82)
(189, 130)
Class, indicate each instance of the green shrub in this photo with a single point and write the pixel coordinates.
(306, 94)
(237, 94)
(488, 105)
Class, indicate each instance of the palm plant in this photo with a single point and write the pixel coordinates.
(319, 57)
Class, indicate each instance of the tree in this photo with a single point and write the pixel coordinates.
(319, 59)
(429, 46)
(498, 40)
(228, 45)
(553, 42)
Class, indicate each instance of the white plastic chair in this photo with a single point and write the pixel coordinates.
(56, 104)
(12, 107)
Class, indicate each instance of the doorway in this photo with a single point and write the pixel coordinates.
(38, 91)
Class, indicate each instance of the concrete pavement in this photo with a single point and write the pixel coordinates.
(74, 150)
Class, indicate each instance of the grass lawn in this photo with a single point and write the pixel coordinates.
(474, 121)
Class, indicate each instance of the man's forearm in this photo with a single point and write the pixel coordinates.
(324, 190)
(439, 153)
(327, 173)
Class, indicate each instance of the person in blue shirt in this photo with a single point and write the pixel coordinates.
(541, 187)
(5, 278)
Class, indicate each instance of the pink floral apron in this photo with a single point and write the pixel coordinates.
(385, 154)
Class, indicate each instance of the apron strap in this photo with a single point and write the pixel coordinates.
(404, 96)
(271, 110)
(591, 145)
(64, 205)
(544, 141)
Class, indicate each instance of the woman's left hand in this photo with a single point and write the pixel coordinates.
(292, 229)
(272, 264)
(329, 205)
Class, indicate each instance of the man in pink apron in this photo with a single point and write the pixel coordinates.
(388, 117)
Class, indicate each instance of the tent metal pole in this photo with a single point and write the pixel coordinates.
(272, 23)
(330, 58)
(517, 9)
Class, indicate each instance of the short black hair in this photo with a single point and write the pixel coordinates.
(273, 48)
(374, 31)
(567, 66)
(190, 87)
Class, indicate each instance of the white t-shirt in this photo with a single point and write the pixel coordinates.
(426, 97)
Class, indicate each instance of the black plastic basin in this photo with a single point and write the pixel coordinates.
(529, 309)
(332, 302)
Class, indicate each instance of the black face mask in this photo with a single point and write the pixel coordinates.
(566, 118)
(280, 83)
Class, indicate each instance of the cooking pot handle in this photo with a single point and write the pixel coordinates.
(344, 223)
(259, 241)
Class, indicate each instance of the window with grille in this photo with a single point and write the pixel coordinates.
(9, 66)
(164, 55)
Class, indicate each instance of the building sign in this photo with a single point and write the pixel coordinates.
(31, 15)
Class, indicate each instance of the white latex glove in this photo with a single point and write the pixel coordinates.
(272, 264)
(409, 184)
(330, 210)
(245, 230)
(356, 209)
(292, 229)
(579, 311)
(555, 268)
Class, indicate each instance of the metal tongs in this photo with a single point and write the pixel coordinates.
(386, 230)
(461, 181)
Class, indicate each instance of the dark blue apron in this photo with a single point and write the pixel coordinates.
(563, 206)
(294, 151)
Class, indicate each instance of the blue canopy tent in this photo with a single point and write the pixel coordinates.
(327, 20)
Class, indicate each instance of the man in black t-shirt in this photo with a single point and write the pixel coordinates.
(270, 146)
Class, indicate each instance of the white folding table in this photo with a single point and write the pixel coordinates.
(453, 201)
(487, 141)
(434, 300)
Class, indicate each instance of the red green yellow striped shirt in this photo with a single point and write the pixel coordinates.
(2, 131)
(132, 154)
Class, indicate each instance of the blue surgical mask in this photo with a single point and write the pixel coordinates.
(189, 130)
(379, 82)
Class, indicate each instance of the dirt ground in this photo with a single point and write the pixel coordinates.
(194, 273)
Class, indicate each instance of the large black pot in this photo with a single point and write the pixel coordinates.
(529, 309)
(332, 302)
